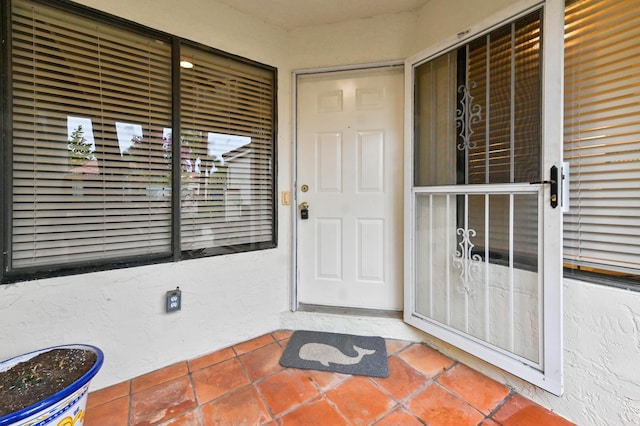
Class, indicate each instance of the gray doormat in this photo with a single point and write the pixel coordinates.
(339, 353)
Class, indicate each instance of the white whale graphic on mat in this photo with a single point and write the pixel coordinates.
(326, 354)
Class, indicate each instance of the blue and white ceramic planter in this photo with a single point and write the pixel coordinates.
(64, 408)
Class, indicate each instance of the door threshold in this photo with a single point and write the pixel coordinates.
(340, 310)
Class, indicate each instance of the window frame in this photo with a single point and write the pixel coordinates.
(214, 251)
(10, 275)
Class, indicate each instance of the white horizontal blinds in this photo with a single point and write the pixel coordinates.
(91, 177)
(227, 125)
(602, 135)
(503, 80)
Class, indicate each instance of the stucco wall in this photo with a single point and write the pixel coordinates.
(226, 302)
(122, 311)
(206, 22)
(440, 19)
(601, 356)
(377, 39)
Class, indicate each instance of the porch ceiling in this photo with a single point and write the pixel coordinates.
(291, 14)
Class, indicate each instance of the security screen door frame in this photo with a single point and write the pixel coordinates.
(443, 251)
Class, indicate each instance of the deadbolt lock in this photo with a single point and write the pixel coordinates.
(304, 188)
(304, 210)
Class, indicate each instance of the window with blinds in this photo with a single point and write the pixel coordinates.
(91, 179)
(602, 138)
(93, 156)
(227, 126)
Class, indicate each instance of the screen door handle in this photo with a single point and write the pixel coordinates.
(553, 182)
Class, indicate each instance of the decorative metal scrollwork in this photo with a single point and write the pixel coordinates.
(467, 115)
(468, 263)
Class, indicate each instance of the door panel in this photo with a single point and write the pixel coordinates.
(483, 238)
(328, 161)
(349, 142)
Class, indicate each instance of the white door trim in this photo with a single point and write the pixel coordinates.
(550, 378)
(294, 305)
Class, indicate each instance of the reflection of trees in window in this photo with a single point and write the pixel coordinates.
(80, 149)
(129, 135)
(167, 143)
(205, 165)
(144, 162)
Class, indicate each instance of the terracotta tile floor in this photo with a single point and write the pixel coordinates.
(245, 385)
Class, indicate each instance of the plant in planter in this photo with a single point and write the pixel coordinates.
(48, 387)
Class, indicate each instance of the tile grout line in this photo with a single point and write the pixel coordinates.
(404, 403)
(336, 408)
(316, 398)
(329, 401)
(501, 404)
(322, 394)
(454, 393)
(395, 406)
(450, 392)
(193, 389)
(253, 384)
(264, 403)
(130, 404)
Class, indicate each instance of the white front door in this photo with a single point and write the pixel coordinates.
(349, 173)
(484, 254)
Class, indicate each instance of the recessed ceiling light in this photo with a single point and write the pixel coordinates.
(186, 64)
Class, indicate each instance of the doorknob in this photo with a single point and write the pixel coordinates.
(304, 210)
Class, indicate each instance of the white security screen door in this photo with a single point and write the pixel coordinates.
(483, 214)
(349, 173)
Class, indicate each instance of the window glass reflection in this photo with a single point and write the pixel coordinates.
(81, 145)
(129, 135)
